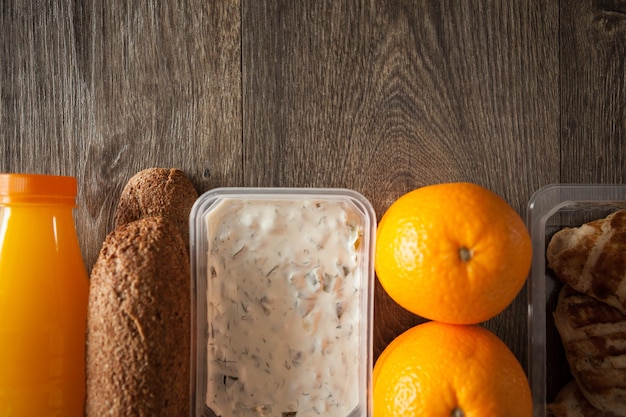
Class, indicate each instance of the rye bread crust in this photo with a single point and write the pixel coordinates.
(166, 192)
(138, 329)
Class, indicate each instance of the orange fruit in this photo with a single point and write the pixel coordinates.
(454, 252)
(445, 370)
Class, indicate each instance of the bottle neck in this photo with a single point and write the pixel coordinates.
(46, 225)
(37, 215)
(37, 200)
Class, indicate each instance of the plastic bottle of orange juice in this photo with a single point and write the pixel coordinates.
(43, 298)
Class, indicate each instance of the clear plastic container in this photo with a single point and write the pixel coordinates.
(550, 209)
(282, 282)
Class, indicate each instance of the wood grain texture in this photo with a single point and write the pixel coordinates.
(103, 90)
(386, 96)
(593, 85)
(381, 96)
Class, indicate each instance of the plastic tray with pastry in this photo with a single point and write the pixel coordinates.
(577, 300)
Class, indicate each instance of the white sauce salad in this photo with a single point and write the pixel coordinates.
(284, 308)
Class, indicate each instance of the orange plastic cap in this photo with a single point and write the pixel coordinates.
(37, 188)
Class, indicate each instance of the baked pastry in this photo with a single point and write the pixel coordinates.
(592, 258)
(166, 192)
(570, 402)
(594, 338)
(138, 332)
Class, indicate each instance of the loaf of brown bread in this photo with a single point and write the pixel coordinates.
(138, 330)
(138, 324)
(166, 192)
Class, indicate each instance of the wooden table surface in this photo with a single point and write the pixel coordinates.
(380, 96)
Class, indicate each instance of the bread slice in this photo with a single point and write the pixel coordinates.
(594, 338)
(166, 192)
(592, 258)
(138, 333)
(570, 402)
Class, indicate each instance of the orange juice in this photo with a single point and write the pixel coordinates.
(43, 298)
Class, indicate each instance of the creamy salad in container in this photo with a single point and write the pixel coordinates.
(282, 292)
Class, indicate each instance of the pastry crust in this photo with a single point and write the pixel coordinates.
(594, 338)
(570, 402)
(592, 258)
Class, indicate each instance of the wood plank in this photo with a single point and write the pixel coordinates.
(102, 91)
(386, 96)
(379, 96)
(593, 91)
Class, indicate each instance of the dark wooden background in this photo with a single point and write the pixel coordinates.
(381, 96)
